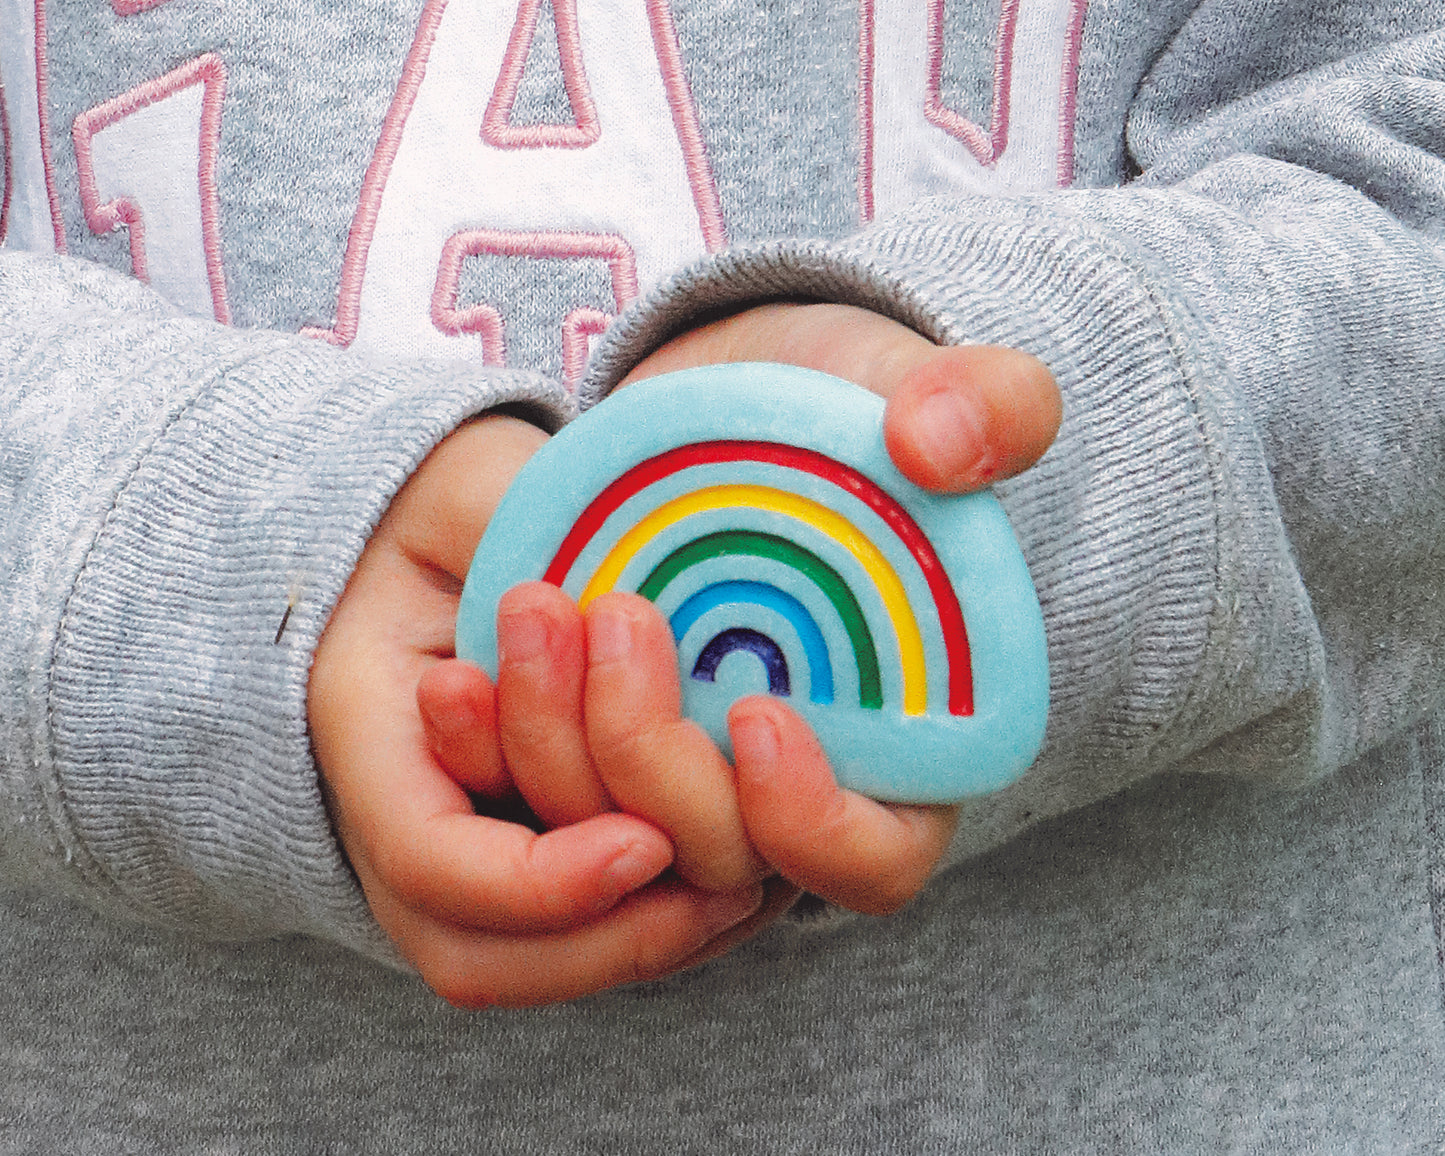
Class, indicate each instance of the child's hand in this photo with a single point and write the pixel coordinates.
(619, 723)
(957, 419)
(585, 708)
(489, 911)
(588, 709)
(588, 706)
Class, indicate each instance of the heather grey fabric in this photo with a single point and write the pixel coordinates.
(165, 511)
(1195, 966)
(1209, 919)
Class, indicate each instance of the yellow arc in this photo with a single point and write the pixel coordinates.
(829, 522)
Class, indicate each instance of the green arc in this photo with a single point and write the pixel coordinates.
(777, 549)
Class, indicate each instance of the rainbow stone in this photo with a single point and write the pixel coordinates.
(757, 507)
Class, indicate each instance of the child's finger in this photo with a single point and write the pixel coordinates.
(483, 873)
(542, 653)
(650, 935)
(654, 763)
(778, 896)
(967, 416)
(851, 850)
(458, 705)
(412, 834)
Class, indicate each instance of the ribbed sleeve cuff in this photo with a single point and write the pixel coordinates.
(1129, 523)
(178, 713)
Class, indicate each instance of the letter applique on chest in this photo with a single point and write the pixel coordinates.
(537, 166)
(534, 174)
(461, 177)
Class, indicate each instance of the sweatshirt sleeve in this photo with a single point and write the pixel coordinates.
(1238, 538)
(171, 487)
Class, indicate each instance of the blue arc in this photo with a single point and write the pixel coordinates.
(815, 648)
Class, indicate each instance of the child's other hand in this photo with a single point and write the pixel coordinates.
(588, 707)
(489, 911)
(778, 809)
(589, 712)
(957, 419)
(585, 720)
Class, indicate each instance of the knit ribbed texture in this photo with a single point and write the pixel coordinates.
(1237, 540)
(180, 776)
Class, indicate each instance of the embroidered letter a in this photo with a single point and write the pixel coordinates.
(622, 181)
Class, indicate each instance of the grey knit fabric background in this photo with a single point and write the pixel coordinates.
(1208, 920)
(1193, 967)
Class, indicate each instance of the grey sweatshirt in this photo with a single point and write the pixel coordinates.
(1218, 223)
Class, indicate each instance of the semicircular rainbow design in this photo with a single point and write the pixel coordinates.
(880, 571)
(756, 543)
(775, 662)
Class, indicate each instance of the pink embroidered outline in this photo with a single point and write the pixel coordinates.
(1069, 96)
(936, 112)
(373, 185)
(578, 328)
(42, 112)
(210, 72)
(486, 322)
(132, 7)
(7, 176)
(867, 53)
(685, 121)
(497, 128)
(986, 146)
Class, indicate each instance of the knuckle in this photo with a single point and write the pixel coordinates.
(640, 965)
(622, 746)
(887, 890)
(883, 900)
(532, 729)
(551, 904)
(454, 978)
(541, 747)
(832, 825)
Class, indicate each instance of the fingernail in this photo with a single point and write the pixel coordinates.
(755, 741)
(450, 719)
(634, 865)
(949, 433)
(609, 635)
(520, 637)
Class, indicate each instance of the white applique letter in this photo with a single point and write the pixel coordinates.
(626, 181)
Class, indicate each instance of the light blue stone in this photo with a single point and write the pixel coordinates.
(933, 757)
